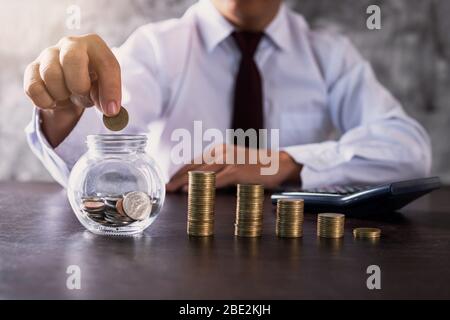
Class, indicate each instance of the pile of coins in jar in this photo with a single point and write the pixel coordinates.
(119, 210)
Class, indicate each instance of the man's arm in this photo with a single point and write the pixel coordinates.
(57, 133)
(379, 141)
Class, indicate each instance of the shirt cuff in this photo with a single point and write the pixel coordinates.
(61, 159)
(321, 163)
(74, 145)
(45, 153)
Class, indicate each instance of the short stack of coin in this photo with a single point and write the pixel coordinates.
(330, 225)
(201, 196)
(249, 210)
(367, 233)
(289, 218)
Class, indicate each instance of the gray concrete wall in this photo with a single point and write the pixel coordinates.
(411, 56)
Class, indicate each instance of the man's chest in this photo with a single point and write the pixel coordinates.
(294, 96)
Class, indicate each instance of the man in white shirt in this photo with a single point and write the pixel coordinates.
(222, 57)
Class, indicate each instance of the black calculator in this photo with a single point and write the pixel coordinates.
(361, 200)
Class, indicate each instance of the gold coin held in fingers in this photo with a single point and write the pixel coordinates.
(118, 122)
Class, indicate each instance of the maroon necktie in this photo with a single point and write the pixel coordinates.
(248, 95)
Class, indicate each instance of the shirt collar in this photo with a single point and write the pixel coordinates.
(278, 30)
(214, 28)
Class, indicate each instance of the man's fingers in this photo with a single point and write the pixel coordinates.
(74, 60)
(225, 178)
(184, 170)
(88, 59)
(82, 101)
(52, 74)
(175, 185)
(215, 162)
(215, 156)
(35, 88)
(183, 179)
(107, 69)
(94, 94)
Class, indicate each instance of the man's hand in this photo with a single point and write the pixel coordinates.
(231, 174)
(76, 73)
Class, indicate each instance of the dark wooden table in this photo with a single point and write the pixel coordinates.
(40, 237)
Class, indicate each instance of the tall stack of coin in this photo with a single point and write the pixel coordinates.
(289, 218)
(249, 210)
(202, 189)
(330, 225)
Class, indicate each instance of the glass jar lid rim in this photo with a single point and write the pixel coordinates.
(116, 137)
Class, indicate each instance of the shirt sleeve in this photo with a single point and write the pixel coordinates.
(141, 94)
(59, 161)
(379, 142)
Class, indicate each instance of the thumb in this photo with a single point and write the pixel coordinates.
(107, 69)
(109, 90)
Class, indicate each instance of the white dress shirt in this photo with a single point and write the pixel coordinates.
(334, 117)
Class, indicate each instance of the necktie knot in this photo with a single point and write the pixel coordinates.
(247, 42)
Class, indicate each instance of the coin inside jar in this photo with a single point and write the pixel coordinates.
(119, 207)
(118, 122)
(137, 205)
(93, 205)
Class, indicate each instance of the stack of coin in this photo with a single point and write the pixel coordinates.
(112, 215)
(249, 210)
(201, 196)
(367, 233)
(94, 207)
(289, 218)
(330, 225)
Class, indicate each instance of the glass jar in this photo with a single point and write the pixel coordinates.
(116, 188)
